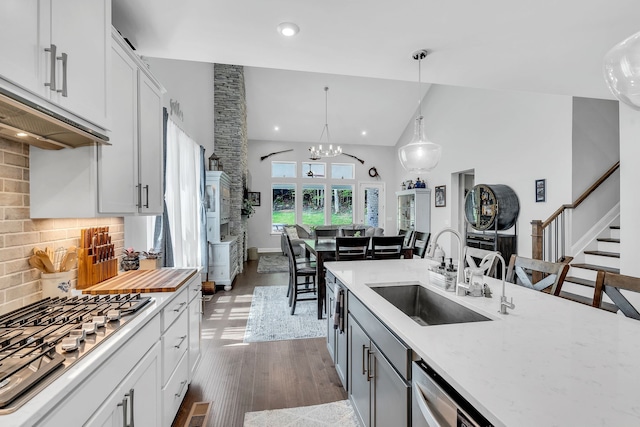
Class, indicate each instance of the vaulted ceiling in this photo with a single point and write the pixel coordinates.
(362, 51)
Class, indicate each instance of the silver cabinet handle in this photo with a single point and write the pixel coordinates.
(146, 189)
(63, 58)
(369, 376)
(130, 396)
(52, 84)
(182, 384)
(179, 307)
(182, 338)
(364, 370)
(139, 188)
(124, 410)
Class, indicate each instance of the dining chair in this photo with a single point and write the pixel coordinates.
(553, 273)
(409, 238)
(420, 243)
(474, 256)
(328, 233)
(299, 271)
(611, 283)
(352, 248)
(353, 232)
(387, 247)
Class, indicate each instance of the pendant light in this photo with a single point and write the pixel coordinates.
(319, 151)
(420, 155)
(622, 71)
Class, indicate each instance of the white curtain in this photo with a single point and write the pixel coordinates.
(182, 196)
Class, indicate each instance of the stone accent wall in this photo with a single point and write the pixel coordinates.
(230, 141)
(19, 283)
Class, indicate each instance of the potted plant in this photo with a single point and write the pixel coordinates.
(130, 260)
(151, 260)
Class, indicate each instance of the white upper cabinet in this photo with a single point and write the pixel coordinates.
(59, 50)
(130, 170)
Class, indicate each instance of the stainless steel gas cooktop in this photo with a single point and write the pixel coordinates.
(40, 341)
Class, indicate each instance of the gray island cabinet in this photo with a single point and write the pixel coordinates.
(372, 363)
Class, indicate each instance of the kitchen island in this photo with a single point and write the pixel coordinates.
(153, 353)
(549, 362)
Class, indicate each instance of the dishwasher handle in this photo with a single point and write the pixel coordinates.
(423, 405)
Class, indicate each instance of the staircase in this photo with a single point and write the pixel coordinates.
(580, 282)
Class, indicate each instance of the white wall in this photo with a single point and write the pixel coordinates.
(259, 224)
(189, 83)
(505, 137)
(629, 179)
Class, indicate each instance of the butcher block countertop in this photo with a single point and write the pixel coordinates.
(143, 281)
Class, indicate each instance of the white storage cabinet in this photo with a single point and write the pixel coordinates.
(414, 209)
(59, 51)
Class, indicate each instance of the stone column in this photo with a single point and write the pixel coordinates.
(230, 141)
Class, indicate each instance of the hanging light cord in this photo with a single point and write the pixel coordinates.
(420, 55)
(326, 115)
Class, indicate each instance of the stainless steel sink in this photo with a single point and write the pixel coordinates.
(427, 307)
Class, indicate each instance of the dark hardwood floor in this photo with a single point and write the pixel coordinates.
(238, 377)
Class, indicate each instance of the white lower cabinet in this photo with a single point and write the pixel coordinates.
(223, 262)
(175, 390)
(137, 400)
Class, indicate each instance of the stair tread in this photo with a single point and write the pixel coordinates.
(608, 240)
(604, 253)
(597, 267)
(615, 227)
(580, 281)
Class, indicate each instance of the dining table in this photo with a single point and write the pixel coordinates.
(325, 250)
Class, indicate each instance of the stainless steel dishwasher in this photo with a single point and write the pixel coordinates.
(437, 404)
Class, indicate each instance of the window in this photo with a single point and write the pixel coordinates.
(283, 206)
(314, 170)
(342, 171)
(313, 197)
(283, 169)
(341, 204)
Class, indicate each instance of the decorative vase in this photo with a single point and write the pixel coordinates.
(130, 263)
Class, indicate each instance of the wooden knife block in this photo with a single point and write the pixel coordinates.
(91, 272)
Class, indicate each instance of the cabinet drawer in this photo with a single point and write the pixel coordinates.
(195, 288)
(171, 312)
(175, 343)
(397, 352)
(175, 390)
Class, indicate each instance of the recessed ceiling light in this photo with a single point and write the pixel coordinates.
(288, 29)
(276, 128)
(21, 134)
(364, 132)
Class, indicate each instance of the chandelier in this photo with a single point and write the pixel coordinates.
(319, 151)
(420, 155)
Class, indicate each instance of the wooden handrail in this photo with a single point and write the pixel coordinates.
(583, 196)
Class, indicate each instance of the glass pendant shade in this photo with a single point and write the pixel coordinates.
(622, 71)
(420, 155)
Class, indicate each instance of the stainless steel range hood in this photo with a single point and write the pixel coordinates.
(24, 121)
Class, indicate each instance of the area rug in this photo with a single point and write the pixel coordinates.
(273, 264)
(328, 414)
(270, 318)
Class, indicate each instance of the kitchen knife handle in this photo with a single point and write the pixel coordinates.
(146, 189)
(63, 58)
(52, 84)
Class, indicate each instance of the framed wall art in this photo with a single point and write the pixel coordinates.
(541, 190)
(441, 196)
(254, 198)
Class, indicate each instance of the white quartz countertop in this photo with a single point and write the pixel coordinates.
(549, 362)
